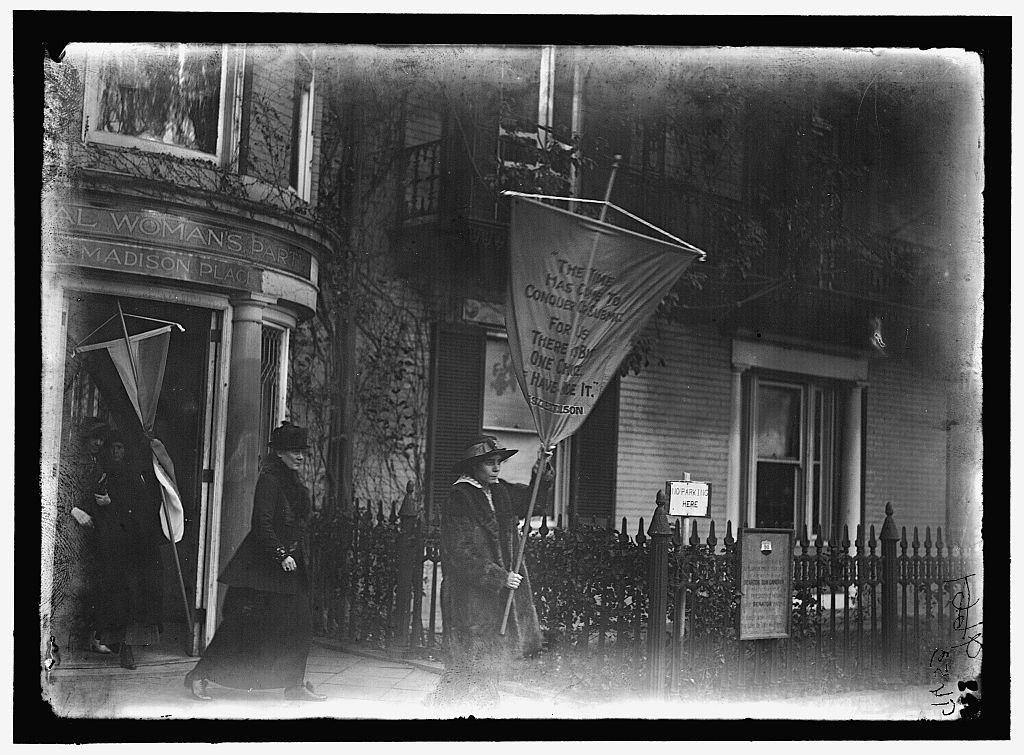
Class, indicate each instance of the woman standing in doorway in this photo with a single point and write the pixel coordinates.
(77, 560)
(129, 537)
(264, 640)
(479, 541)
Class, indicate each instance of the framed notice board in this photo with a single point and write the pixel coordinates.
(765, 581)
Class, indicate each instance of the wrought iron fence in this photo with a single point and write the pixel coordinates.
(867, 611)
(590, 587)
(376, 577)
(842, 635)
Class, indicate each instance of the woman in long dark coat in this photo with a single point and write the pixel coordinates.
(479, 542)
(129, 536)
(264, 639)
(77, 560)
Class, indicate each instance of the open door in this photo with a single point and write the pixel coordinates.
(94, 388)
(210, 485)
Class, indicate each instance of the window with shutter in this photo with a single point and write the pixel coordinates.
(594, 452)
(457, 404)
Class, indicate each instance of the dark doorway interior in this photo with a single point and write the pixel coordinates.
(92, 387)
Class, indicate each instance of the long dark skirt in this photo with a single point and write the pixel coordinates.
(130, 603)
(262, 643)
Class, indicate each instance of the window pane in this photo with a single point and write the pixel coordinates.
(815, 497)
(778, 422)
(504, 404)
(562, 118)
(163, 93)
(776, 487)
(520, 89)
(817, 425)
(270, 383)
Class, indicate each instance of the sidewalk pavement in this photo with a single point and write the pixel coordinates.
(367, 684)
(358, 684)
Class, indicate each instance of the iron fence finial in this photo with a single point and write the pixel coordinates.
(889, 525)
(659, 520)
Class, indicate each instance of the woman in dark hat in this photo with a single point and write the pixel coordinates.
(479, 542)
(266, 634)
(82, 494)
(129, 536)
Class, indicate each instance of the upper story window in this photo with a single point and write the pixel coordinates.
(301, 168)
(173, 98)
(539, 115)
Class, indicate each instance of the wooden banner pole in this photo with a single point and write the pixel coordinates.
(526, 528)
(163, 498)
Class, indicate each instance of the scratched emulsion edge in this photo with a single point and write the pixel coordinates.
(966, 606)
(57, 173)
(62, 123)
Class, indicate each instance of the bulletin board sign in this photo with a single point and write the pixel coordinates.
(765, 577)
(686, 498)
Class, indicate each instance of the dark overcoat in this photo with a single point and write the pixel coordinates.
(479, 547)
(128, 536)
(76, 564)
(280, 515)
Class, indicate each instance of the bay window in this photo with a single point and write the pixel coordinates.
(172, 98)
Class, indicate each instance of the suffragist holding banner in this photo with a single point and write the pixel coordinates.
(579, 292)
(478, 542)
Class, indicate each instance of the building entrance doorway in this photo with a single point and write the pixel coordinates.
(93, 388)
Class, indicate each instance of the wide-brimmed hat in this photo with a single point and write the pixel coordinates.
(288, 437)
(482, 447)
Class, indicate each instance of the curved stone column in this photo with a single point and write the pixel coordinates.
(242, 433)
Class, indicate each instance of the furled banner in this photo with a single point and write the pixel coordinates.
(142, 373)
(579, 292)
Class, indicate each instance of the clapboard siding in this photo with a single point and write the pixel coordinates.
(905, 447)
(675, 419)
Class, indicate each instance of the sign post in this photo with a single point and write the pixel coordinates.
(687, 499)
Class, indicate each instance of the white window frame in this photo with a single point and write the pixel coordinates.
(304, 183)
(562, 456)
(803, 503)
(232, 65)
(278, 412)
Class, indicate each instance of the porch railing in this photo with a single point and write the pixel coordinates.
(422, 180)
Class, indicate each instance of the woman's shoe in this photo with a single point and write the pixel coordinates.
(98, 647)
(305, 692)
(197, 687)
(127, 658)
